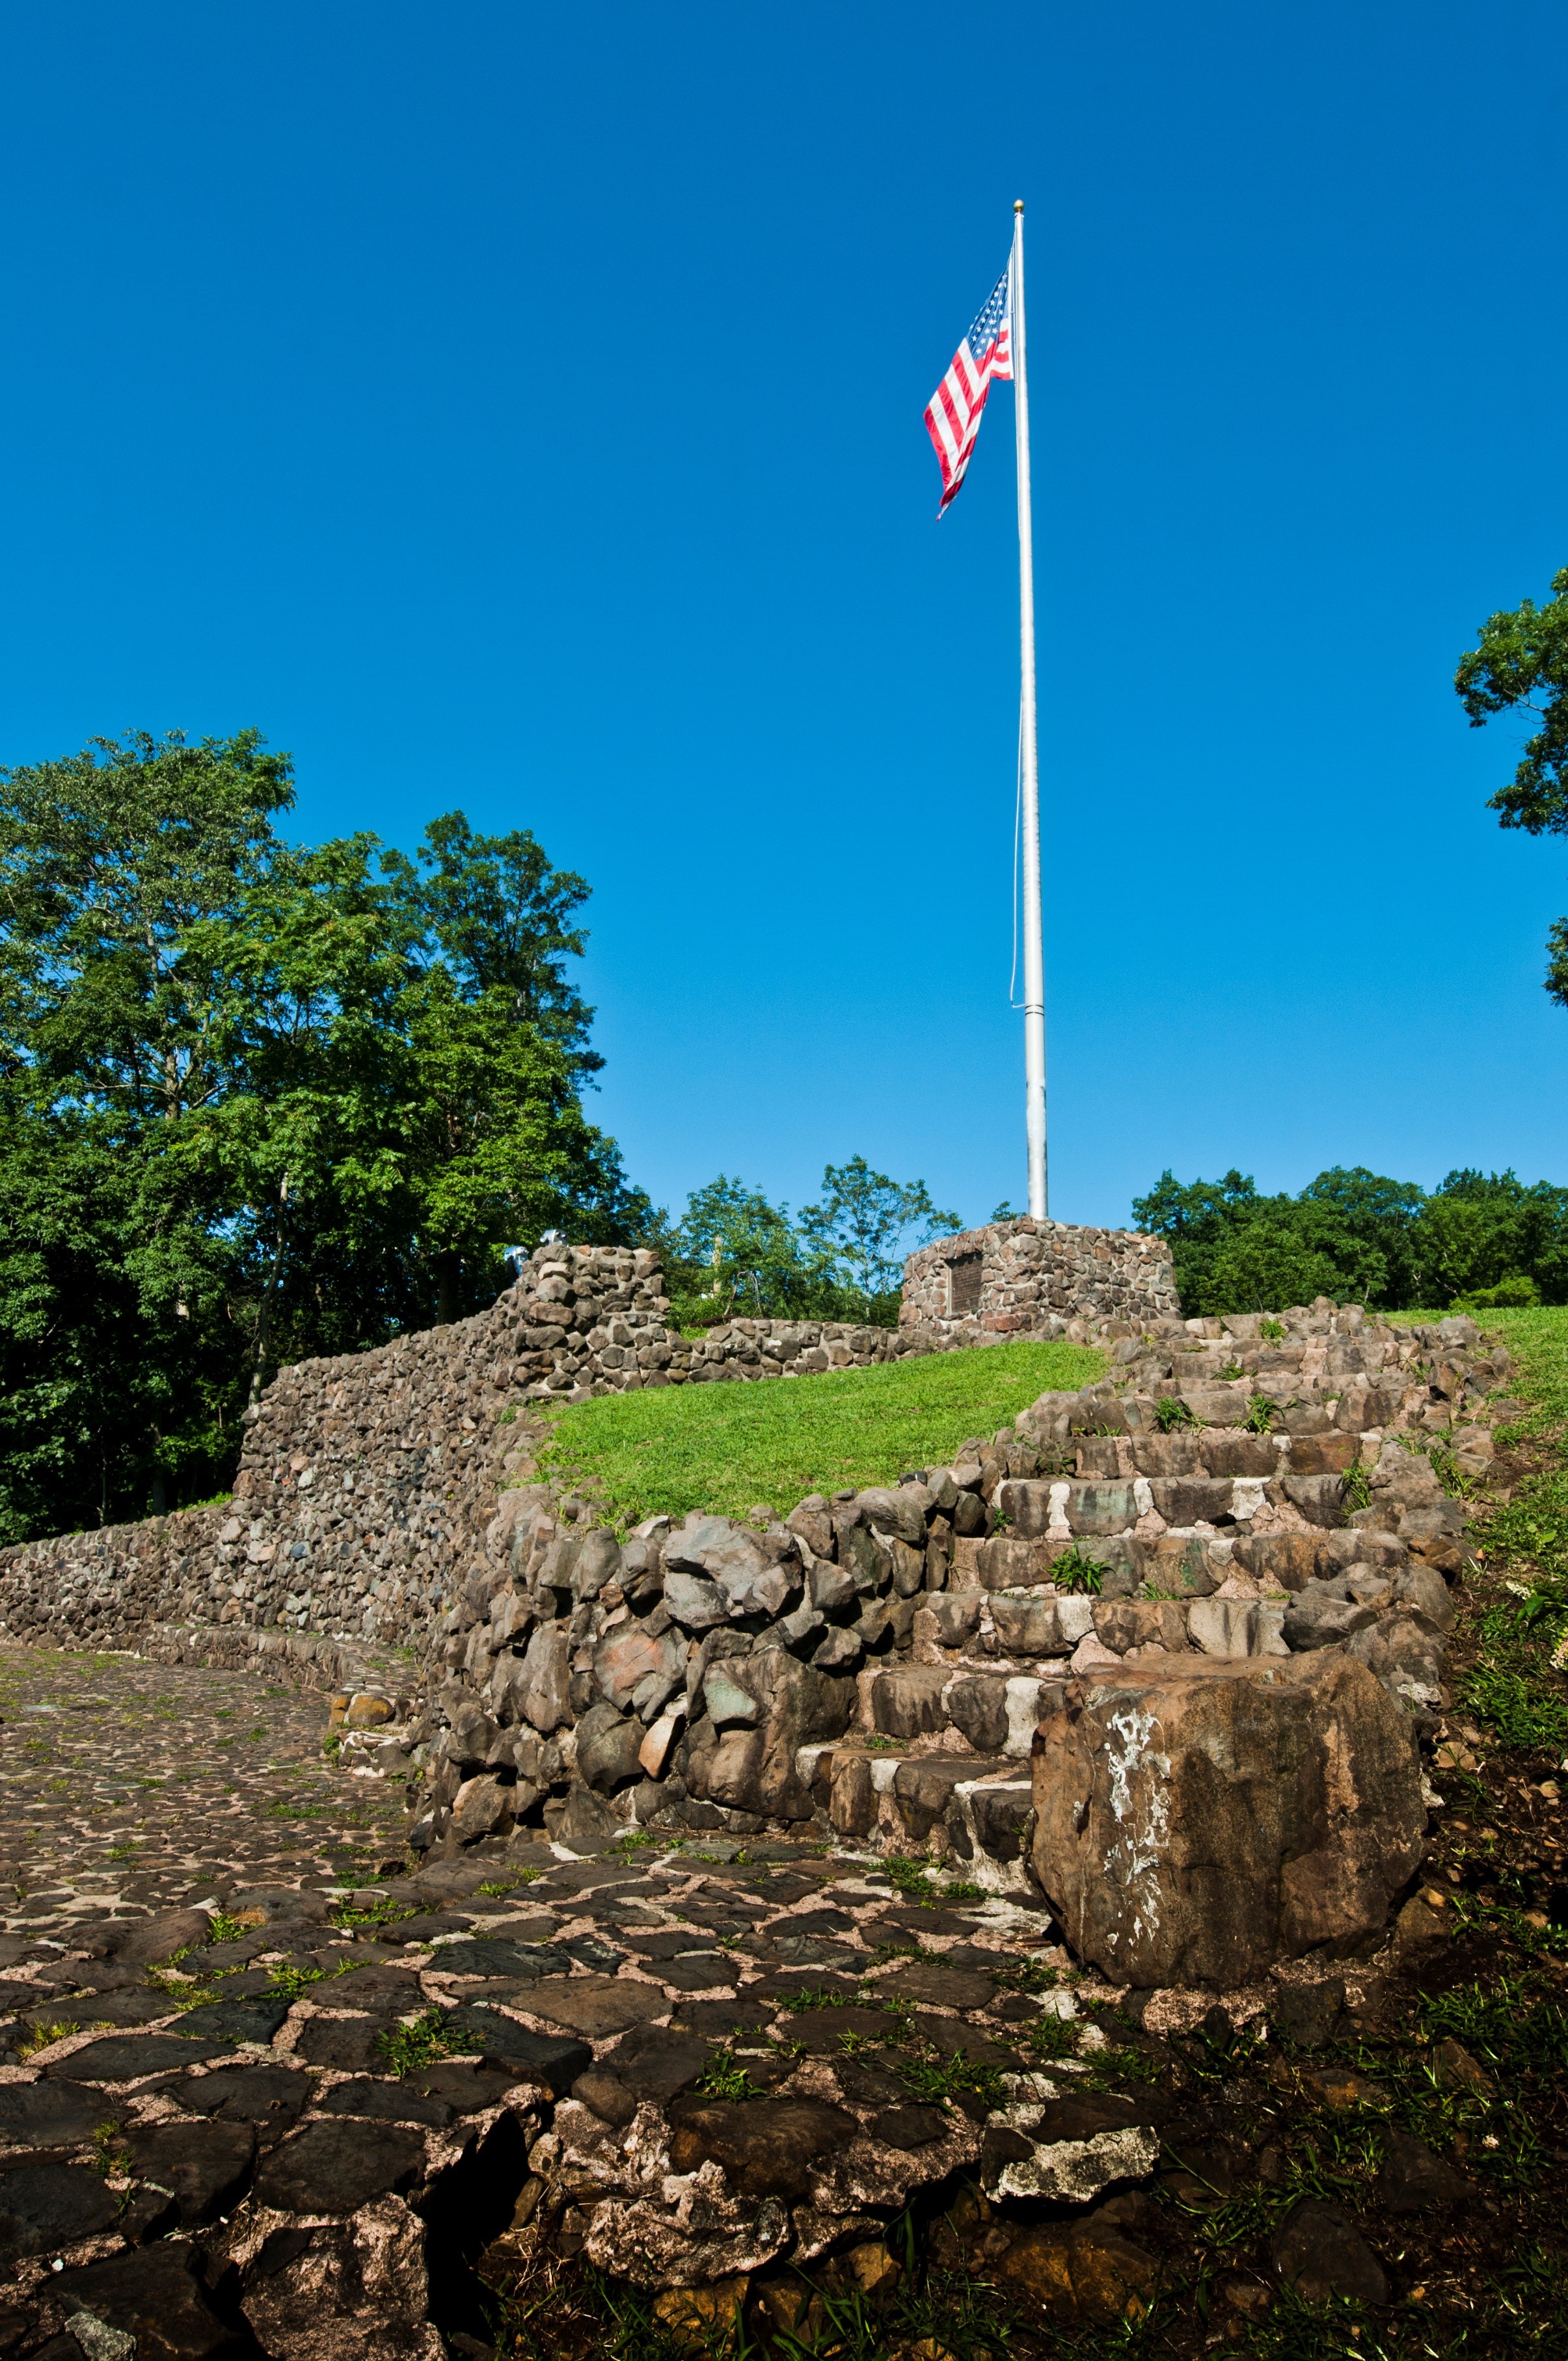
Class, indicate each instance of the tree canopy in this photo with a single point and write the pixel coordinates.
(1521, 665)
(257, 1102)
(733, 1252)
(1360, 1238)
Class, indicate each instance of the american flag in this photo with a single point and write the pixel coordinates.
(953, 415)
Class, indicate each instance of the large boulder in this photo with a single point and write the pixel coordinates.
(1197, 1821)
(753, 1579)
(751, 1768)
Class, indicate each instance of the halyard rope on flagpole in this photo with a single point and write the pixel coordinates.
(1012, 1000)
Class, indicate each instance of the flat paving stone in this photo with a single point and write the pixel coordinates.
(48, 2114)
(270, 2098)
(234, 2020)
(128, 2057)
(698, 1972)
(351, 2044)
(336, 2166)
(154, 2295)
(83, 2013)
(943, 1987)
(468, 2089)
(150, 1788)
(597, 2005)
(490, 1956)
(655, 2062)
(46, 2206)
(204, 2166)
(536, 2056)
(391, 2103)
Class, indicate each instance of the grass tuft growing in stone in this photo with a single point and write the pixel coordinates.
(726, 1446)
(407, 2048)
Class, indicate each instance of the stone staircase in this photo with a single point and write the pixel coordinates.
(1253, 1487)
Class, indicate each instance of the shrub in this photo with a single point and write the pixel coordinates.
(1515, 1294)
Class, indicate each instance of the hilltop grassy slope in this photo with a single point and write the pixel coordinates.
(732, 1447)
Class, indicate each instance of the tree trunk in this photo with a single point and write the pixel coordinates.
(448, 1267)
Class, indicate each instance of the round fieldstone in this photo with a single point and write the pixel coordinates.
(766, 2146)
(908, 2128)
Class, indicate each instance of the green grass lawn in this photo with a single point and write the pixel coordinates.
(730, 1447)
(1514, 1687)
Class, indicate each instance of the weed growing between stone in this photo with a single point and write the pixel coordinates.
(290, 1983)
(40, 2037)
(727, 2078)
(1076, 1570)
(111, 2157)
(379, 1912)
(407, 2048)
(227, 1927)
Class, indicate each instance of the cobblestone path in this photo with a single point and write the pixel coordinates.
(262, 2092)
(139, 1784)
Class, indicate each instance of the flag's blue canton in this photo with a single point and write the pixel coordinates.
(983, 332)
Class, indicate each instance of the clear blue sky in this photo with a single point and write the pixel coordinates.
(520, 409)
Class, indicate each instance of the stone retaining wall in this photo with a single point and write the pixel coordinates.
(1032, 1278)
(725, 1675)
(366, 1480)
(713, 1674)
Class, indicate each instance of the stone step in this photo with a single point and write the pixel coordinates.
(1066, 1507)
(1185, 1561)
(995, 1711)
(1217, 1450)
(980, 1803)
(1299, 1405)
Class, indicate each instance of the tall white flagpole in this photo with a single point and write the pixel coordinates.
(1034, 943)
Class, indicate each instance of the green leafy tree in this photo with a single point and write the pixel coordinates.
(503, 920)
(257, 1103)
(1267, 1264)
(1521, 666)
(115, 1387)
(868, 1226)
(107, 861)
(733, 1251)
(1481, 1230)
(1197, 1217)
(1358, 1237)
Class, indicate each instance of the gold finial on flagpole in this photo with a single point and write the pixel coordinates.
(1017, 204)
